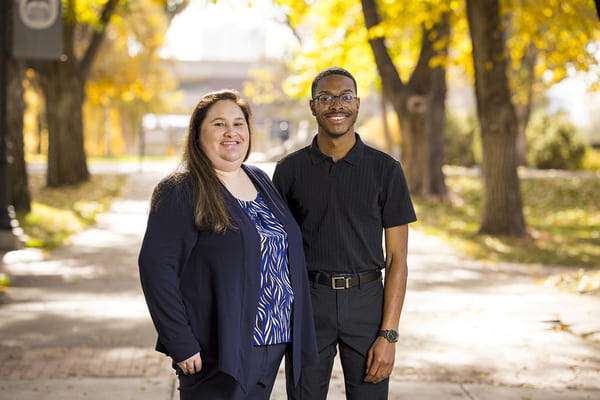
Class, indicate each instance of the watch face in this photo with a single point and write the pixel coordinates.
(392, 336)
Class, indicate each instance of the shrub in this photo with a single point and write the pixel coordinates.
(554, 143)
(591, 160)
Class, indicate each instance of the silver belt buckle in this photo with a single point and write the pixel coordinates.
(345, 282)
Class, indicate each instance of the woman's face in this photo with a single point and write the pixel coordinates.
(225, 136)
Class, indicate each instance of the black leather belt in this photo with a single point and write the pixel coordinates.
(342, 281)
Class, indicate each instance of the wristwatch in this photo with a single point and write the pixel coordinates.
(391, 335)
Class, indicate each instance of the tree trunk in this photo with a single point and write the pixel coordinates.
(17, 169)
(131, 120)
(63, 84)
(523, 112)
(14, 179)
(525, 77)
(389, 143)
(437, 115)
(502, 212)
(431, 82)
(41, 122)
(419, 111)
(413, 127)
(64, 94)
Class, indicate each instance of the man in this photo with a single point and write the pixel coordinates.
(344, 194)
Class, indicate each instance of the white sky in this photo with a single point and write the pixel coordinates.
(237, 30)
(570, 95)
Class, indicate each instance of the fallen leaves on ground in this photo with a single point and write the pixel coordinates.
(582, 281)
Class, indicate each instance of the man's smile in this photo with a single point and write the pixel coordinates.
(336, 117)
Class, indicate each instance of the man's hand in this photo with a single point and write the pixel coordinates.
(380, 360)
(192, 365)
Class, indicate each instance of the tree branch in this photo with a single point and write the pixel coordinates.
(391, 82)
(97, 36)
(420, 78)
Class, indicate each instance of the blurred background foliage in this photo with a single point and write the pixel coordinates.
(547, 43)
(128, 80)
(555, 143)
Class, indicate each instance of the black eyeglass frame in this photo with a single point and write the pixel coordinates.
(330, 102)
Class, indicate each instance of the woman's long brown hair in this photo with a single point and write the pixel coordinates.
(210, 211)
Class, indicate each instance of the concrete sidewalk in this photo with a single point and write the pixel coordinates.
(74, 325)
(163, 388)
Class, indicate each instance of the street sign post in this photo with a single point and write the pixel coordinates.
(37, 29)
(29, 29)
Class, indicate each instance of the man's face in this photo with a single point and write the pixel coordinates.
(337, 117)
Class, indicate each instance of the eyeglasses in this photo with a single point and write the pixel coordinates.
(329, 99)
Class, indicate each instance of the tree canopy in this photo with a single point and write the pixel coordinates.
(564, 35)
(541, 43)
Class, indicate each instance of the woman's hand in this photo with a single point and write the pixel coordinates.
(192, 365)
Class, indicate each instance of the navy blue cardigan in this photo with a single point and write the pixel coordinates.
(202, 288)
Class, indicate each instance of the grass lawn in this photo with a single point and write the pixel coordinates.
(563, 218)
(57, 213)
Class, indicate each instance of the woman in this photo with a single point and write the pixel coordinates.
(222, 264)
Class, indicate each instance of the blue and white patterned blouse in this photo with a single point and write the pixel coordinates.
(273, 323)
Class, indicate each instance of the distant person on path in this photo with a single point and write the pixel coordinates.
(344, 195)
(222, 265)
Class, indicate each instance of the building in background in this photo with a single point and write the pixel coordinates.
(220, 46)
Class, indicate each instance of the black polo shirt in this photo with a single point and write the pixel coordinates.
(342, 207)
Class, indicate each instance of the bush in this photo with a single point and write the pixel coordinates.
(554, 143)
(591, 160)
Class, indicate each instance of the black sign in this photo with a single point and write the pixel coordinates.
(37, 32)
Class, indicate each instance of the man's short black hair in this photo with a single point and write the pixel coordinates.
(330, 71)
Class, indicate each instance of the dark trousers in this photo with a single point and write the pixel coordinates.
(211, 384)
(347, 319)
